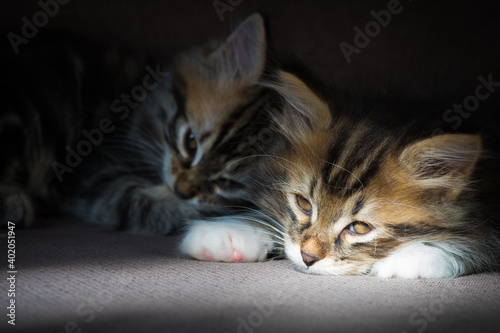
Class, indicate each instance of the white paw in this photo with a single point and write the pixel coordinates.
(226, 239)
(417, 261)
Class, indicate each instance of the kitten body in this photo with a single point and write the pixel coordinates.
(367, 191)
(379, 194)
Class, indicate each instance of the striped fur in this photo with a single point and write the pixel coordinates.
(422, 198)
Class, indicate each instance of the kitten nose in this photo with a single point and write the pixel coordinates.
(308, 259)
(184, 189)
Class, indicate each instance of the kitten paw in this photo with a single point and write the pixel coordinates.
(228, 240)
(417, 261)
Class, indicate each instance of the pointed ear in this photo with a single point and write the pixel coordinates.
(444, 162)
(242, 56)
(304, 111)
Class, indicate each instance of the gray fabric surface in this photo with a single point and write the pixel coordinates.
(69, 271)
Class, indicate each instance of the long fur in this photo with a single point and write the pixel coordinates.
(427, 199)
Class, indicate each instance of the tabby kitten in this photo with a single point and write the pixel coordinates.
(366, 195)
(188, 140)
(168, 154)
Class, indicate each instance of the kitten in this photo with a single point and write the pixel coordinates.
(168, 155)
(367, 194)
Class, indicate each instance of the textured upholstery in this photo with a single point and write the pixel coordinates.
(106, 281)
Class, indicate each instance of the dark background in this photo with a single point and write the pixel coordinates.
(429, 44)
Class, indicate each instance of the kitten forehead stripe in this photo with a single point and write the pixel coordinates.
(361, 156)
(242, 113)
(333, 155)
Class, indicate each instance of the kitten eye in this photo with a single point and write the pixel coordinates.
(303, 204)
(189, 143)
(359, 228)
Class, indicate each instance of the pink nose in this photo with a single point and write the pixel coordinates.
(309, 260)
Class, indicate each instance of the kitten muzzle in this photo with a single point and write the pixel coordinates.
(185, 189)
(309, 260)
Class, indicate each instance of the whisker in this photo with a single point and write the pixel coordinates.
(246, 209)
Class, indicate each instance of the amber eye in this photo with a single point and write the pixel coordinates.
(190, 144)
(359, 228)
(303, 204)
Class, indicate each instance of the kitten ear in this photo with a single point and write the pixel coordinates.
(242, 56)
(306, 111)
(444, 162)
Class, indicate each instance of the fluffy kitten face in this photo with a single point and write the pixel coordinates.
(356, 199)
(217, 97)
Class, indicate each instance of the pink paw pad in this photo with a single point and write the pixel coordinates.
(237, 256)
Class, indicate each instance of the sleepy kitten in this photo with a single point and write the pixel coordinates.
(366, 195)
(187, 136)
(163, 157)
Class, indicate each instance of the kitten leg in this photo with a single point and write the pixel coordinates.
(418, 260)
(132, 205)
(156, 210)
(228, 239)
(15, 206)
